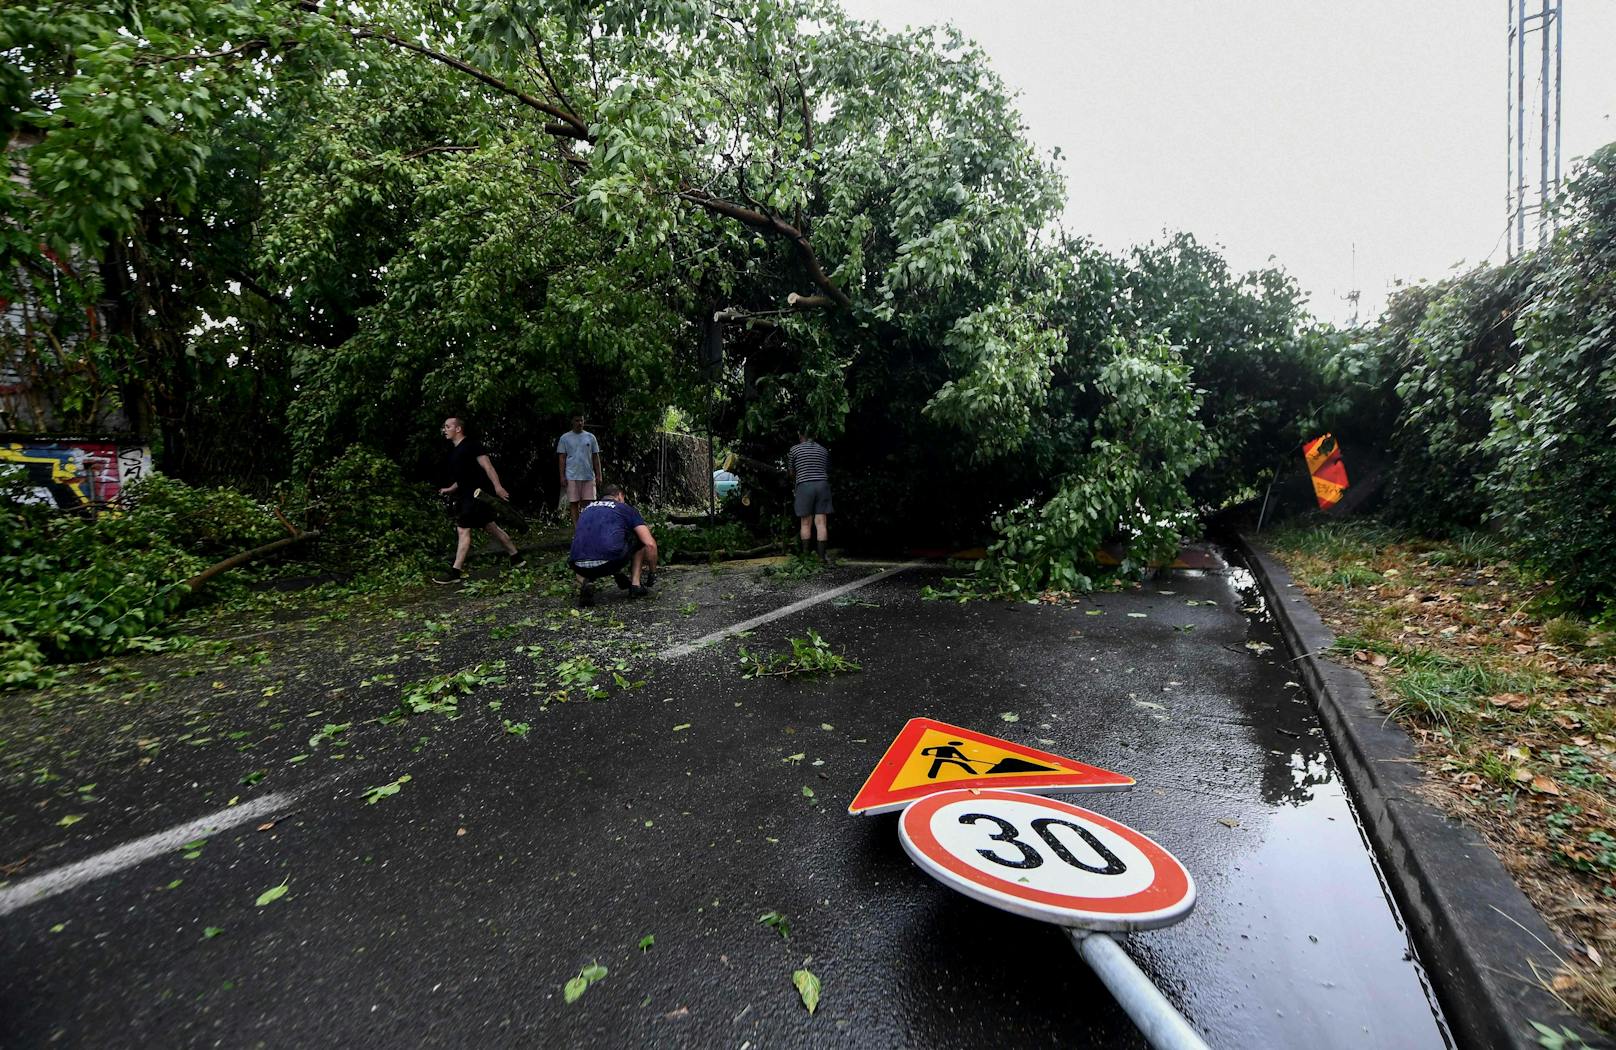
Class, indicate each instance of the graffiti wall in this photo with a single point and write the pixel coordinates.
(71, 474)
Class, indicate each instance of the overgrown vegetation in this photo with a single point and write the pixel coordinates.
(1492, 396)
(324, 232)
(80, 586)
(330, 226)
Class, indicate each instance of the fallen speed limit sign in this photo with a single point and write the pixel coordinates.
(1046, 859)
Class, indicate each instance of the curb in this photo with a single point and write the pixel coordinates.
(1477, 935)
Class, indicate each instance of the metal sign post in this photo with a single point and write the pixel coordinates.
(1162, 1026)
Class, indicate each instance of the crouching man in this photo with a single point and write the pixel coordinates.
(612, 539)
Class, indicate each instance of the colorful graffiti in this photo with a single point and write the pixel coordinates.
(72, 474)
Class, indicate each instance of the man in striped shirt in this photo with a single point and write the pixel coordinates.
(810, 474)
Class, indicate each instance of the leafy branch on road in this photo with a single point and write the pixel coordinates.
(811, 655)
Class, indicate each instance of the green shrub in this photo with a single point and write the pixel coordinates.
(369, 515)
(79, 587)
(1455, 359)
(1553, 422)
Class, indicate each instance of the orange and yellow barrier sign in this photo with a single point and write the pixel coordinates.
(1329, 473)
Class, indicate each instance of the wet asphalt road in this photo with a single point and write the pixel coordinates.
(452, 913)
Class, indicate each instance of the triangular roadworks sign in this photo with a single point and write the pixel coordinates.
(930, 756)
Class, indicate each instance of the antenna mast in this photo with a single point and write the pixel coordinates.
(1525, 196)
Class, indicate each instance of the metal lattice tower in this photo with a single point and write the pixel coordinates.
(1528, 197)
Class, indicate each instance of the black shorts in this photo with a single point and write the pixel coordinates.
(472, 513)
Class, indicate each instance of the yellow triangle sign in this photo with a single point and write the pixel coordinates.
(930, 756)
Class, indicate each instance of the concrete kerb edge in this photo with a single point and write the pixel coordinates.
(1477, 934)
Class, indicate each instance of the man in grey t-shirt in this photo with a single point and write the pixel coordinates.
(578, 459)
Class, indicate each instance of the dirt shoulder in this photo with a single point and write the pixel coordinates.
(1510, 708)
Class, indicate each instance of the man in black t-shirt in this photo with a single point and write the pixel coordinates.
(470, 471)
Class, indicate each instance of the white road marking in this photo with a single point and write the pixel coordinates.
(795, 607)
(40, 887)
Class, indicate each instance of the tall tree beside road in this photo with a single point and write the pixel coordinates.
(382, 211)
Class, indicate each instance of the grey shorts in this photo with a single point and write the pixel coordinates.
(813, 497)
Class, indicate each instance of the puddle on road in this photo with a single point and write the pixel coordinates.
(1328, 961)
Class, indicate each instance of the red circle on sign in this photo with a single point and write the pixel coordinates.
(1167, 899)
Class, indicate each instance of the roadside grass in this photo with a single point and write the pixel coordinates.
(1345, 577)
(1511, 703)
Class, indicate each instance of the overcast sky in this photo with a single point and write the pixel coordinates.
(1286, 129)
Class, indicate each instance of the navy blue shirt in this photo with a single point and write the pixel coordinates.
(605, 531)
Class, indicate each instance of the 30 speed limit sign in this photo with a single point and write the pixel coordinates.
(1047, 860)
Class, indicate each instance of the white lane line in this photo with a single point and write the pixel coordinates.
(786, 610)
(39, 887)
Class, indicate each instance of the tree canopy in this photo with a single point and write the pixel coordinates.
(311, 225)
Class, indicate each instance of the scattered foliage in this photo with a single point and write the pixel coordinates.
(811, 655)
(387, 790)
(441, 694)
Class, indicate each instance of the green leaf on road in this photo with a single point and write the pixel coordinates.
(778, 922)
(681, 728)
(807, 792)
(376, 794)
(69, 820)
(807, 987)
(646, 942)
(210, 932)
(1009, 716)
(273, 894)
(586, 977)
(826, 726)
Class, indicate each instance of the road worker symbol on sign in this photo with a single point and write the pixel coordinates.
(931, 756)
(950, 753)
